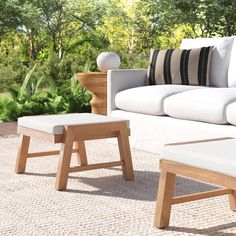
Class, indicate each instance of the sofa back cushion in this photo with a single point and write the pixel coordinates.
(232, 67)
(178, 66)
(221, 55)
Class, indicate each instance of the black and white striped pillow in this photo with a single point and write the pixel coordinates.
(180, 66)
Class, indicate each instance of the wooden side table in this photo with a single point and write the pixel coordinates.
(96, 82)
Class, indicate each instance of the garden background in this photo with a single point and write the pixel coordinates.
(43, 43)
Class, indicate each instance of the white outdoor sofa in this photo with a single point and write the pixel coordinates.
(161, 114)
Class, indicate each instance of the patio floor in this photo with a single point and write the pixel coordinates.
(8, 128)
(99, 202)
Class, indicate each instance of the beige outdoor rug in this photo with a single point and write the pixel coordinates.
(99, 202)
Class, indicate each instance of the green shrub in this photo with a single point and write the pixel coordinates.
(31, 100)
(12, 70)
(75, 96)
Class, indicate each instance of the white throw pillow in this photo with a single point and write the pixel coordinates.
(220, 57)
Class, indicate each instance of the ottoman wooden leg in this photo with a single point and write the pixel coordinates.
(125, 154)
(232, 200)
(164, 199)
(81, 154)
(22, 154)
(64, 162)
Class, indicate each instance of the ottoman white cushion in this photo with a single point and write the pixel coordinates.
(54, 124)
(231, 113)
(148, 99)
(206, 105)
(216, 156)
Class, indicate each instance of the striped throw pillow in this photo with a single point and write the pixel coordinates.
(180, 66)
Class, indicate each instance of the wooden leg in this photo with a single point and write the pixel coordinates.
(164, 199)
(125, 154)
(64, 162)
(22, 154)
(232, 200)
(81, 154)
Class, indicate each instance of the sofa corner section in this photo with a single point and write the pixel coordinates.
(121, 79)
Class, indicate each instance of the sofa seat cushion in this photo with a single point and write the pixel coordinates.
(231, 113)
(208, 105)
(148, 99)
(214, 156)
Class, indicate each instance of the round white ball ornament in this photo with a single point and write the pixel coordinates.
(107, 61)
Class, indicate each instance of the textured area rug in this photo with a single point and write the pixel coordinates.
(99, 202)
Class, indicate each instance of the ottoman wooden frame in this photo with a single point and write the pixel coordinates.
(170, 169)
(77, 134)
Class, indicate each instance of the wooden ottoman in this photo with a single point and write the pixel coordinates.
(212, 161)
(74, 128)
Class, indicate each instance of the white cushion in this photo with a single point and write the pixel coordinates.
(148, 99)
(232, 67)
(206, 105)
(231, 113)
(216, 156)
(220, 57)
(54, 124)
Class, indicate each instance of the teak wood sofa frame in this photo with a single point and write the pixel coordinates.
(77, 134)
(170, 169)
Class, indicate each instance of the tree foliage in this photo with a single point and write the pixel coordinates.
(62, 36)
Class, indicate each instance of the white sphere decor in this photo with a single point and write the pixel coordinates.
(107, 61)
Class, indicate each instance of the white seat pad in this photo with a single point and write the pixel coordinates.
(54, 124)
(148, 99)
(216, 156)
(208, 105)
(231, 113)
